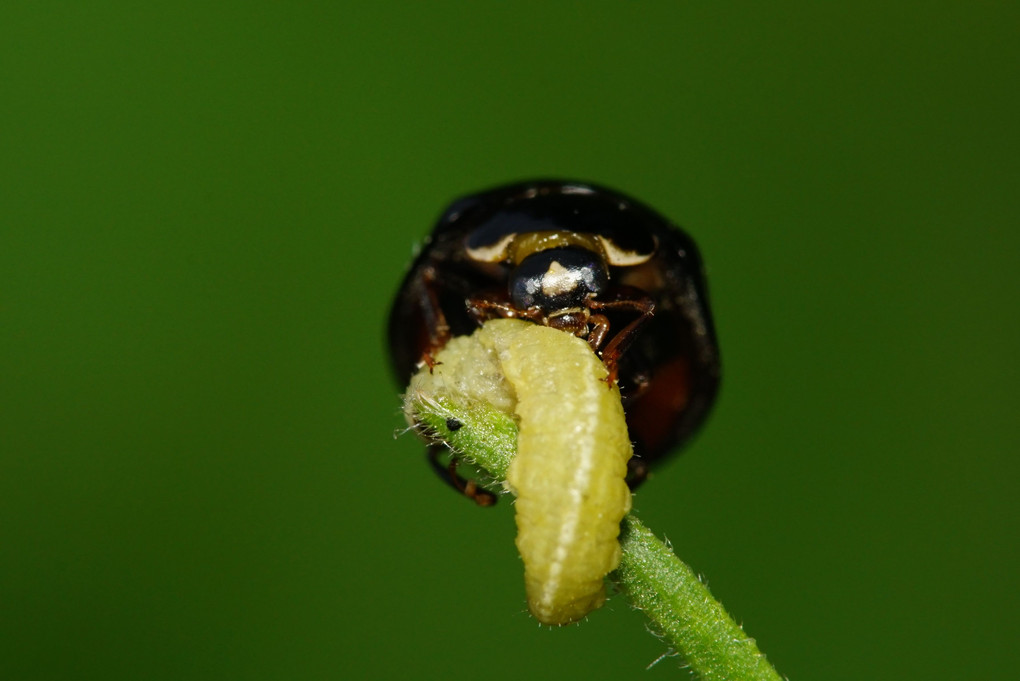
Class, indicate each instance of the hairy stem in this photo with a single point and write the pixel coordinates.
(681, 609)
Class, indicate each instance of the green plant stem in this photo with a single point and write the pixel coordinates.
(681, 609)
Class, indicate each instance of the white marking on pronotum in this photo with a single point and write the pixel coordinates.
(617, 256)
(492, 252)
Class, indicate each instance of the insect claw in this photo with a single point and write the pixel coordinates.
(478, 495)
(469, 488)
(610, 378)
(428, 360)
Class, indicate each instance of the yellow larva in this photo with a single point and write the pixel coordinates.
(572, 452)
(568, 473)
(571, 459)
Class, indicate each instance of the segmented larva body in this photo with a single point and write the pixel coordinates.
(570, 467)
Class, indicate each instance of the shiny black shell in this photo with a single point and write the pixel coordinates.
(669, 374)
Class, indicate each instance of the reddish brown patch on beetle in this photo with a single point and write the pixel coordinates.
(652, 415)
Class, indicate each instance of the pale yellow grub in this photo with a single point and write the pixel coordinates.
(571, 462)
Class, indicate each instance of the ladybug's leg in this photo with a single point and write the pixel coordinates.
(448, 472)
(428, 287)
(599, 328)
(637, 471)
(645, 308)
(432, 313)
(483, 308)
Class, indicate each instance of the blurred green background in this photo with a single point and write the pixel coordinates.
(205, 210)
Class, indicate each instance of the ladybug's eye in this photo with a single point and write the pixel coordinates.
(558, 278)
